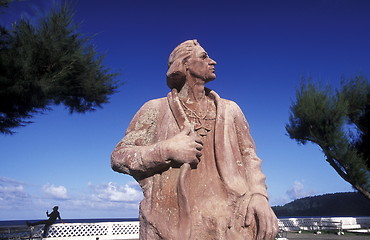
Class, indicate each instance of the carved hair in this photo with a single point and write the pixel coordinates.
(176, 69)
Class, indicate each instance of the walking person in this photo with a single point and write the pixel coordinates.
(52, 219)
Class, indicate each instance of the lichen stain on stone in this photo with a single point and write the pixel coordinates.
(131, 137)
(143, 131)
(250, 152)
(148, 118)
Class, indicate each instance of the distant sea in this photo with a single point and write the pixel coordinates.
(93, 220)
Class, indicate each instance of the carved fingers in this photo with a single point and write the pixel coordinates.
(260, 211)
(198, 143)
(193, 146)
(185, 147)
(272, 227)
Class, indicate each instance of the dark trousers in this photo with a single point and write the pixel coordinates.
(46, 227)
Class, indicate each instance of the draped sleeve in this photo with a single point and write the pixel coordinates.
(138, 153)
(251, 162)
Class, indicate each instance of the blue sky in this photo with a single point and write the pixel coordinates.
(262, 48)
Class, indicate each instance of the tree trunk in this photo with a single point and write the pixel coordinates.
(362, 191)
(345, 176)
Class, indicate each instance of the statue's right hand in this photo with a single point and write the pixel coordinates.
(185, 147)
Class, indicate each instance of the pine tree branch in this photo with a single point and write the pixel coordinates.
(339, 170)
(332, 161)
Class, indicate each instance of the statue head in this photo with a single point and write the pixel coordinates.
(176, 68)
(189, 56)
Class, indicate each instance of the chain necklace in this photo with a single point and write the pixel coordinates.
(200, 121)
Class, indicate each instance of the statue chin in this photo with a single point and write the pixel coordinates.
(210, 79)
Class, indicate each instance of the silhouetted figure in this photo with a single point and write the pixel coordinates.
(52, 219)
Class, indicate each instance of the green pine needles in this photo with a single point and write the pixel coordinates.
(339, 123)
(46, 64)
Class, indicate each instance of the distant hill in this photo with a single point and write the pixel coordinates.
(336, 204)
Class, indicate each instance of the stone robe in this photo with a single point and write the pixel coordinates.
(180, 202)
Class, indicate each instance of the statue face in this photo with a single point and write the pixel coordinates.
(200, 65)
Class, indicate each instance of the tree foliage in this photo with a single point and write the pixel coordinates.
(5, 3)
(337, 121)
(46, 64)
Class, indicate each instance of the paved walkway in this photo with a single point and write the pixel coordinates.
(311, 236)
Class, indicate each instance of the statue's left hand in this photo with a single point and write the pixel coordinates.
(260, 211)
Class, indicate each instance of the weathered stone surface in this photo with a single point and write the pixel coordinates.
(195, 160)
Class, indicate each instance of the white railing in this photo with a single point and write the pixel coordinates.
(95, 231)
(130, 230)
(319, 224)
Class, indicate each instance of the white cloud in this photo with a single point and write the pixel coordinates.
(58, 192)
(11, 193)
(298, 191)
(279, 200)
(20, 201)
(115, 193)
(11, 189)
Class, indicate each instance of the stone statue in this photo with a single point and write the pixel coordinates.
(195, 160)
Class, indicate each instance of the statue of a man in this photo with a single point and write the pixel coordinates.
(195, 160)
